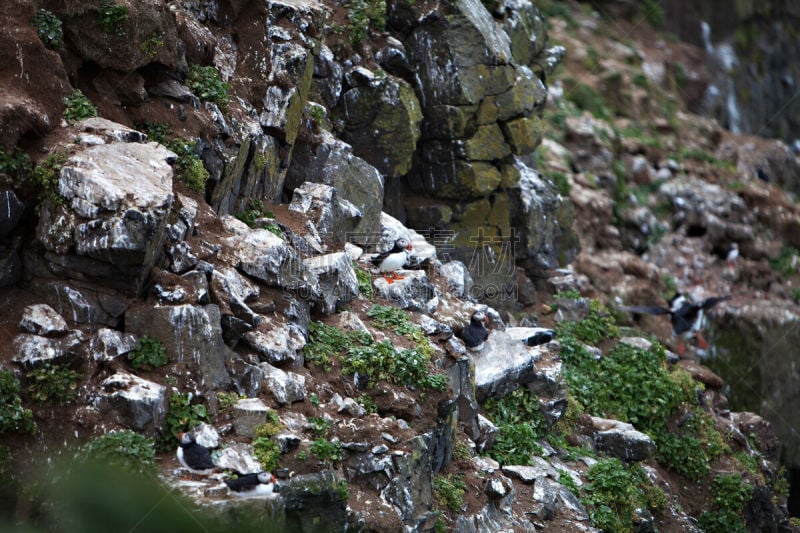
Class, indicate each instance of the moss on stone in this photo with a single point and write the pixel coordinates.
(488, 144)
(500, 214)
(524, 134)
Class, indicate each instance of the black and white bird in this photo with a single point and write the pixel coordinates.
(193, 456)
(686, 317)
(391, 261)
(732, 255)
(475, 334)
(250, 485)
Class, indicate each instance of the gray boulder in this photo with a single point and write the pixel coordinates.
(331, 219)
(337, 280)
(41, 319)
(11, 210)
(620, 439)
(132, 401)
(274, 341)
(238, 457)
(286, 387)
(504, 365)
(33, 351)
(247, 414)
(191, 335)
(110, 227)
(108, 344)
(415, 292)
(265, 256)
(332, 162)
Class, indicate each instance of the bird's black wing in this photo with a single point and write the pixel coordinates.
(645, 309)
(684, 318)
(711, 302)
(243, 482)
(198, 457)
(541, 337)
(378, 259)
(474, 335)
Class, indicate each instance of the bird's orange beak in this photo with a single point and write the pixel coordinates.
(486, 320)
(409, 247)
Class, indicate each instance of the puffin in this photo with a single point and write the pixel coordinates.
(393, 260)
(475, 334)
(249, 485)
(195, 457)
(732, 255)
(686, 317)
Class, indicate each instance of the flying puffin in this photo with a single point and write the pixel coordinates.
(249, 485)
(686, 317)
(195, 457)
(475, 334)
(393, 260)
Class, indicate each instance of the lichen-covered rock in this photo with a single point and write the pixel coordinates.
(332, 162)
(337, 280)
(41, 319)
(132, 401)
(191, 335)
(108, 344)
(389, 107)
(247, 414)
(621, 440)
(286, 387)
(461, 379)
(33, 351)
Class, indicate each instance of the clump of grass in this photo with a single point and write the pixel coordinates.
(731, 493)
(521, 424)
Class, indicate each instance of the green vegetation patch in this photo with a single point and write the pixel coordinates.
(449, 491)
(78, 107)
(183, 415)
(254, 211)
(49, 28)
(614, 492)
(325, 450)
(731, 493)
(125, 449)
(188, 167)
(364, 281)
(53, 384)
(599, 324)
(112, 16)
(786, 262)
(358, 352)
(521, 424)
(207, 84)
(13, 417)
(363, 14)
(149, 354)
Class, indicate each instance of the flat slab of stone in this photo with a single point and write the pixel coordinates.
(132, 401)
(247, 414)
(504, 365)
(41, 319)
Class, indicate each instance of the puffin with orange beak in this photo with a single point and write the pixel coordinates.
(393, 260)
(475, 334)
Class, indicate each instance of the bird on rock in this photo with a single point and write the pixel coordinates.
(250, 485)
(195, 457)
(475, 334)
(393, 260)
(732, 255)
(686, 317)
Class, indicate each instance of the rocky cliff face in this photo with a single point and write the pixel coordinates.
(197, 257)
